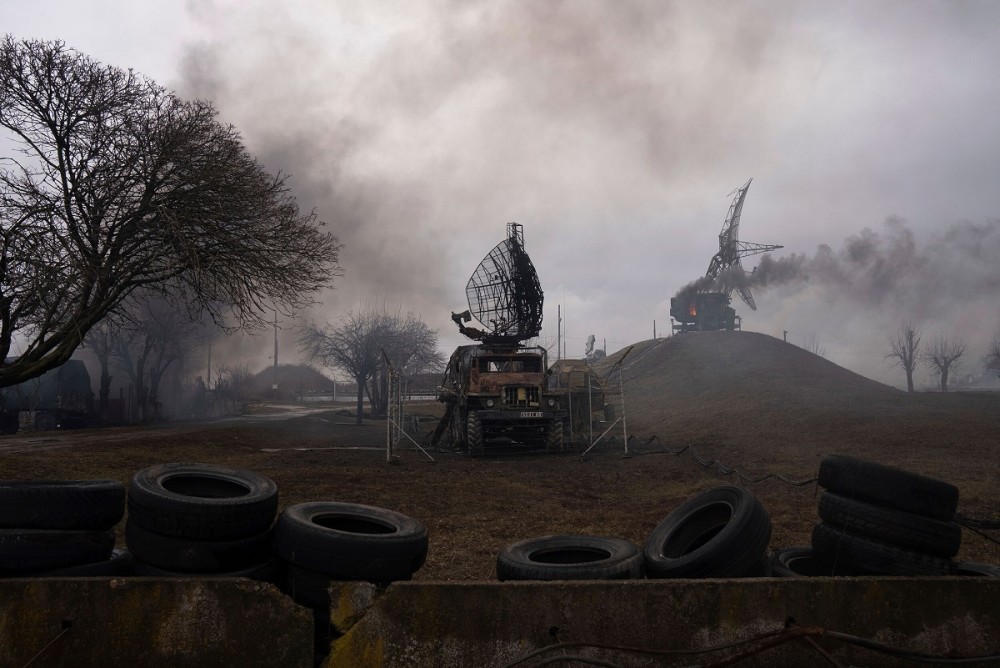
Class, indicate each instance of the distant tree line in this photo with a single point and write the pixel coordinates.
(941, 354)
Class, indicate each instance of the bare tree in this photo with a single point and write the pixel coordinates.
(153, 340)
(904, 351)
(101, 339)
(943, 355)
(116, 185)
(992, 361)
(813, 346)
(355, 346)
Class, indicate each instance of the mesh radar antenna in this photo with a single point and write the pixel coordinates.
(504, 295)
(731, 249)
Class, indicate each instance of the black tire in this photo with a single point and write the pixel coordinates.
(25, 551)
(474, 438)
(119, 563)
(202, 501)
(570, 558)
(554, 436)
(179, 553)
(266, 571)
(886, 525)
(90, 505)
(350, 541)
(721, 533)
(794, 562)
(975, 569)
(870, 557)
(887, 486)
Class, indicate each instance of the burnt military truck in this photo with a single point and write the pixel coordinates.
(499, 396)
(496, 392)
(61, 398)
(703, 311)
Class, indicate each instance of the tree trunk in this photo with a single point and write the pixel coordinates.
(944, 380)
(361, 400)
(909, 380)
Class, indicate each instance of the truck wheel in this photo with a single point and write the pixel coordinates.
(554, 436)
(570, 558)
(913, 532)
(474, 434)
(94, 505)
(721, 533)
(44, 422)
(25, 551)
(202, 501)
(350, 541)
(872, 557)
(887, 486)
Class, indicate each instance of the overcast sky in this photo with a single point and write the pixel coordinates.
(614, 133)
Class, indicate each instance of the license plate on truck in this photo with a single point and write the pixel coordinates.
(531, 414)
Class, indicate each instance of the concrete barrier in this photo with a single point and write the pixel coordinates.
(236, 622)
(150, 623)
(495, 624)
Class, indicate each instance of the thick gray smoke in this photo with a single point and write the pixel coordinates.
(876, 269)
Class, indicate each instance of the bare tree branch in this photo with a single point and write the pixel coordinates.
(904, 351)
(118, 186)
(943, 355)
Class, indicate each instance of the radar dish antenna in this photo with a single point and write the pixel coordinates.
(731, 250)
(504, 295)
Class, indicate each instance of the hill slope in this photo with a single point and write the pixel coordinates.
(751, 393)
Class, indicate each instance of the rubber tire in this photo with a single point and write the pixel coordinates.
(796, 562)
(721, 533)
(119, 563)
(179, 553)
(267, 571)
(350, 541)
(25, 551)
(889, 487)
(474, 434)
(975, 569)
(568, 557)
(554, 435)
(85, 505)
(202, 501)
(887, 525)
(870, 557)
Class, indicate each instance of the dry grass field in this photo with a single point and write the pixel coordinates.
(749, 401)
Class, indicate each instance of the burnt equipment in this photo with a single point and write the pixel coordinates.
(705, 304)
(496, 392)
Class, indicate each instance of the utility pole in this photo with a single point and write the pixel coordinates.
(558, 331)
(274, 386)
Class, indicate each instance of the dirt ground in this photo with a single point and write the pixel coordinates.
(474, 507)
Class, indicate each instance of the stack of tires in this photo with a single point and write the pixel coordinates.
(721, 533)
(323, 541)
(61, 528)
(201, 519)
(879, 520)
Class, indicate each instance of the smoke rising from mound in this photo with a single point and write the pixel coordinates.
(874, 268)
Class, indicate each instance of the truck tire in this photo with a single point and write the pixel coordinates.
(26, 551)
(870, 557)
(887, 486)
(976, 569)
(570, 558)
(795, 562)
(474, 434)
(554, 435)
(197, 555)
(93, 505)
(913, 532)
(202, 501)
(266, 571)
(721, 533)
(350, 541)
